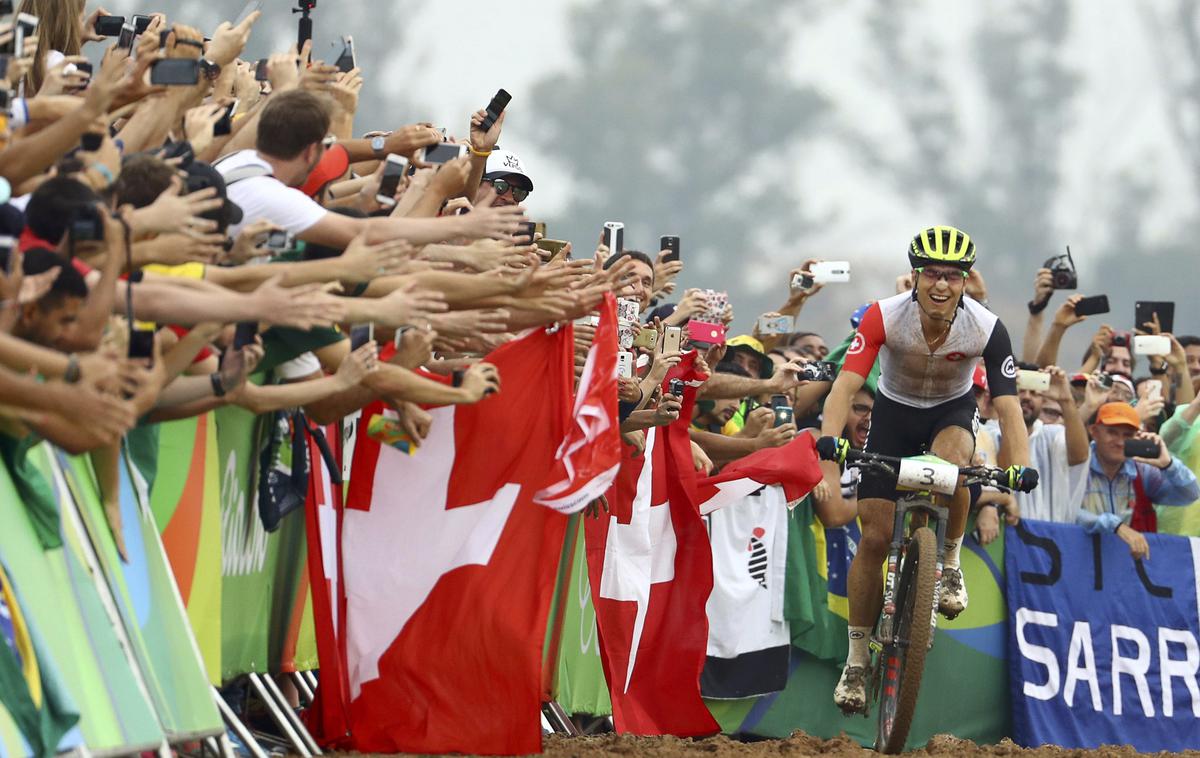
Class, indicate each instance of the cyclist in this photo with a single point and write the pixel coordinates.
(928, 343)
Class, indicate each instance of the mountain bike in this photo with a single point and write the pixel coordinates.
(904, 632)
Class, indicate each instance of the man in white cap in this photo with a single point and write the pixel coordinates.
(505, 173)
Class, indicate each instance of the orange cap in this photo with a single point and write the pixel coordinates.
(332, 166)
(1118, 414)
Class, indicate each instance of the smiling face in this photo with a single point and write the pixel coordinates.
(1031, 406)
(858, 422)
(939, 289)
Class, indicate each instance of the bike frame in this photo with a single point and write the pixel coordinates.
(917, 502)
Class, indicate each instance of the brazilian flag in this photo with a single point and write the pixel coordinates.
(29, 687)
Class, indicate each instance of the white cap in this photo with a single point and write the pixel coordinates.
(502, 164)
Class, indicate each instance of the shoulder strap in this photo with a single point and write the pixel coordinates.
(241, 173)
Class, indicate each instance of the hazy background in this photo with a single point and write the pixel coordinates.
(764, 133)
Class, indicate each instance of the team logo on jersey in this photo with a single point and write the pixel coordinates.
(955, 356)
(1009, 368)
(856, 345)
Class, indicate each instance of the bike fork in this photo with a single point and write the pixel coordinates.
(940, 532)
(892, 575)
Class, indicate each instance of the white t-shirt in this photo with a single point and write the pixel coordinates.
(1061, 486)
(267, 198)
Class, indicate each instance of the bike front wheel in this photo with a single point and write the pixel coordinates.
(904, 658)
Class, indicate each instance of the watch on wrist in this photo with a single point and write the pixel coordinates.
(1158, 370)
(217, 386)
(73, 373)
(210, 69)
(378, 144)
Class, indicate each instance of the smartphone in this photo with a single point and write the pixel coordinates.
(802, 282)
(84, 67)
(1144, 311)
(109, 26)
(614, 236)
(647, 337)
(141, 23)
(279, 241)
(261, 70)
(6, 7)
(446, 151)
(244, 334)
(526, 229)
(705, 334)
(625, 364)
(345, 61)
(141, 341)
(1154, 389)
(628, 310)
(224, 125)
(361, 334)
(90, 142)
(540, 227)
(784, 413)
(1090, 306)
(1036, 381)
(1140, 448)
(670, 244)
(175, 72)
(126, 37)
(554, 247)
(825, 272)
(24, 26)
(494, 109)
(672, 339)
(393, 172)
(1151, 344)
(819, 371)
(775, 324)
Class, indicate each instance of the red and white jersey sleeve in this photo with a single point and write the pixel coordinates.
(864, 348)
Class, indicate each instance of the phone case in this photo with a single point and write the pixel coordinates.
(388, 431)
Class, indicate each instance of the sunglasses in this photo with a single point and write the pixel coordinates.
(503, 186)
(950, 276)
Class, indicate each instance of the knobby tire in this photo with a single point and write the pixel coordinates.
(904, 664)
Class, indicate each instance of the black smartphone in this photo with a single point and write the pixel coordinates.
(261, 70)
(819, 371)
(141, 343)
(224, 125)
(1090, 306)
(91, 142)
(345, 61)
(6, 7)
(784, 413)
(84, 67)
(141, 24)
(244, 334)
(671, 244)
(361, 335)
(181, 150)
(1144, 310)
(1139, 448)
(526, 229)
(175, 71)
(393, 172)
(280, 241)
(109, 26)
(494, 109)
(443, 152)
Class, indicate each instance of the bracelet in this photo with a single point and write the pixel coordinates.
(103, 171)
(1159, 371)
(193, 42)
(480, 153)
(73, 373)
(218, 388)
(1036, 308)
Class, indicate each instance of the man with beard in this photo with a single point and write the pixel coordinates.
(1058, 451)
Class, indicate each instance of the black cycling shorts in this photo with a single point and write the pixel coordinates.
(901, 430)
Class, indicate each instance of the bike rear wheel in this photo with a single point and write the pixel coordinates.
(903, 660)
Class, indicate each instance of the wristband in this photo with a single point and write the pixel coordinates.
(104, 171)
(480, 153)
(1158, 371)
(193, 42)
(1036, 308)
(72, 374)
(218, 388)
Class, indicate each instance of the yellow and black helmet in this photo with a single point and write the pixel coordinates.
(942, 244)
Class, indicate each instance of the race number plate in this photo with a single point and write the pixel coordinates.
(927, 475)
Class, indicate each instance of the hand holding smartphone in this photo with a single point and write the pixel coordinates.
(671, 245)
(494, 109)
(393, 171)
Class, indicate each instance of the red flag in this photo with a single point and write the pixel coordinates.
(449, 567)
(588, 459)
(650, 568)
(794, 466)
(328, 719)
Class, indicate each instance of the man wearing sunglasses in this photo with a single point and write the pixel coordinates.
(505, 173)
(928, 342)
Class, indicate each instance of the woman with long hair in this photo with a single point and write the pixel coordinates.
(61, 33)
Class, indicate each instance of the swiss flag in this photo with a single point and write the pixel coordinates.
(793, 466)
(588, 459)
(449, 567)
(650, 568)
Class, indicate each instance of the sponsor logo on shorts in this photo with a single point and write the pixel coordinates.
(955, 356)
(1009, 368)
(857, 345)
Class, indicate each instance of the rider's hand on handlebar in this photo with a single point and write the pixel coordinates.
(833, 449)
(1021, 478)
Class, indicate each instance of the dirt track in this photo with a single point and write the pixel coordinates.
(801, 744)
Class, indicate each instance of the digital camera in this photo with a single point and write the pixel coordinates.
(1062, 268)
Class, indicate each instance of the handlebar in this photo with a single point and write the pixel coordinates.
(889, 465)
